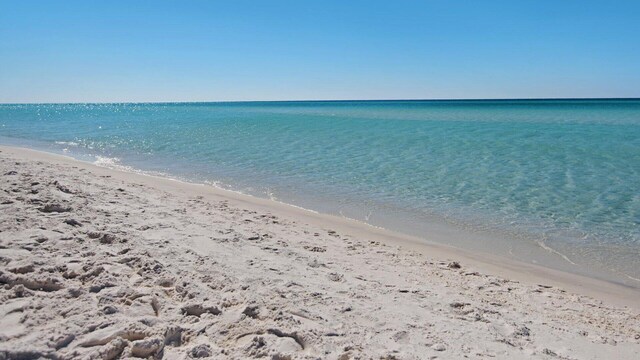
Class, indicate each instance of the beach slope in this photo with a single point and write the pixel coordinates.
(100, 264)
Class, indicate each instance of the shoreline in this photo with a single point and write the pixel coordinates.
(471, 237)
(97, 263)
(496, 265)
(508, 235)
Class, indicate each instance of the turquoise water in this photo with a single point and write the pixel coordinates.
(551, 181)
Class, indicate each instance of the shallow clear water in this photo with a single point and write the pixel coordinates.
(541, 180)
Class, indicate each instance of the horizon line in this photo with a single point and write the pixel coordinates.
(315, 100)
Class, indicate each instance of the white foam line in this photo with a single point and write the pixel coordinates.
(366, 218)
(111, 163)
(624, 274)
(544, 246)
(362, 222)
(630, 277)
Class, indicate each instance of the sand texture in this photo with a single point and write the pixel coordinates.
(100, 264)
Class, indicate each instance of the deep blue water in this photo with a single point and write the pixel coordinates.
(530, 176)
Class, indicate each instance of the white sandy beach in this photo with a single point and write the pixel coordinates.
(102, 264)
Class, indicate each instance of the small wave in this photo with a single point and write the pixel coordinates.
(551, 250)
(624, 274)
(68, 143)
(108, 161)
(629, 276)
(114, 163)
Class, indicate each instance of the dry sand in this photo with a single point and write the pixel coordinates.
(101, 264)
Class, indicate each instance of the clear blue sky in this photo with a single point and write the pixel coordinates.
(85, 51)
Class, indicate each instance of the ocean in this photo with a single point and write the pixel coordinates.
(553, 182)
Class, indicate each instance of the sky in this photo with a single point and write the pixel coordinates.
(139, 51)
